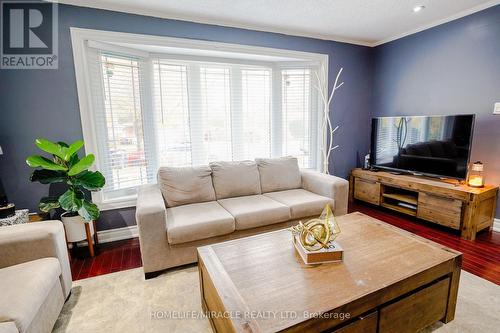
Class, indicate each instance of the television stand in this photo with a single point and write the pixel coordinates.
(456, 206)
(452, 181)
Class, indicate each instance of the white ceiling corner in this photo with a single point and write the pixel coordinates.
(362, 22)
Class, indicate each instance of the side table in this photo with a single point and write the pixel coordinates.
(21, 216)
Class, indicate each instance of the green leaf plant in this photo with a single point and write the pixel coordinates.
(64, 166)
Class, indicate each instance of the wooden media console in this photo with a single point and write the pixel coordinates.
(452, 205)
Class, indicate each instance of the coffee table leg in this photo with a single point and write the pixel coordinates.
(89, 239)
(452, 295)
(200, 275)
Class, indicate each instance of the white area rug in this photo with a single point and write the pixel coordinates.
(125, 302)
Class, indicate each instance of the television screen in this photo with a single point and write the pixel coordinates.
(431, 145)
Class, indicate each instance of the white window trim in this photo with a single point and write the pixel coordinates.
(80, 36)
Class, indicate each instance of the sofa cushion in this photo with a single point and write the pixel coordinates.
(255, 211)
(302, 203)
(278, 174)
(181, 186)
(25, 288)
(234, 179)
(197, 221)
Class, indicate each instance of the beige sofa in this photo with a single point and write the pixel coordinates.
(35, 276)
(195, 206)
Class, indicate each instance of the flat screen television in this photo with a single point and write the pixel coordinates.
(436, 146)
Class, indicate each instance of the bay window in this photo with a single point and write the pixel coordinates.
(144, 106)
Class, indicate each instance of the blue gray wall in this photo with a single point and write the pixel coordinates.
(43, 103)
(453, 68)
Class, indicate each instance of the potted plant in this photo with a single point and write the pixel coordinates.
(66, 167)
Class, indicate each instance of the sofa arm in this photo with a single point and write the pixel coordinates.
(329, 186)
(151, 218)
(26, 242)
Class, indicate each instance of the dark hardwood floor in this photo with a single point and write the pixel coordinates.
(480, 257)
(110, 257)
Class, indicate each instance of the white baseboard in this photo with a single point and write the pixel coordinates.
(112, 235)
(496, 225)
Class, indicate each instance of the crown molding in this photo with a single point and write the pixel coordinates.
(226, 23)
(453, 17)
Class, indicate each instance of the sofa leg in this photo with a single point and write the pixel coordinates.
(151, 275)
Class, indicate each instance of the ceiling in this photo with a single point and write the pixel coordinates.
(365, 22)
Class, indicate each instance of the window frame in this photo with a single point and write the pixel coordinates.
(99, 38)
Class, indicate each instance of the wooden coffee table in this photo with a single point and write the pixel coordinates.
(390, 281)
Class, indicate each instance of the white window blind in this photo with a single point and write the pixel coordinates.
(255, 119)
(151, 111)
(296, 114)
(209, 112)
(214, 114)
(171, 111)
(118, 113)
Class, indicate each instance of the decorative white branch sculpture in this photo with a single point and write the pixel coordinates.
(327, 144)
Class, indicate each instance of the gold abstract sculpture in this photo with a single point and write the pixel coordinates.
(317, 233)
